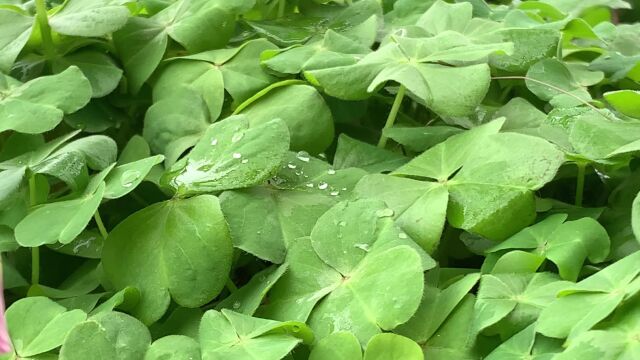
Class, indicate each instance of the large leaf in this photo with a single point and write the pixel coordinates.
(585, 304)
(264, 220)
(311, 130)
(89, 17)
(229, 335)
(109, 335)
(39, 105)
(335, 277)
(176, 249)
(565, 244)
(232, 154)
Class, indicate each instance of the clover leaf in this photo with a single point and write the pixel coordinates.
(334, 274)
(39, 105)
(170, 254)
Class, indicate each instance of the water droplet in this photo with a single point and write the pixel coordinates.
(364, 247)
(309, 185)
(344, 189)
(402, 235)
(291, 166)
(335, 193)
(322, 155)
(323, 185)
(237, 137)
(342, 223)
(244, 161)
(384, 212)
(214, 142)
(236, 305)
(303, 156)
(331, 171)
(129, 177)
(237, 155)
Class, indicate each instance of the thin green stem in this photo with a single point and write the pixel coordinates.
(231, 286)
(281, 7)
(35, 251)
(35, 266)
(45, 31)
(101, 228)
(580, 182)
(393, 114)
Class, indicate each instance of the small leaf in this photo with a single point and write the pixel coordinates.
(89, 17)
(625, 101)
(39, 105)
(392, 347)
(37, 325)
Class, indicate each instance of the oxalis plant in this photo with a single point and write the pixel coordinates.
(319, 179)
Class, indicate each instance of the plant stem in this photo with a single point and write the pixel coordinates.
(35, 251)
(45, 31)
(281, 7)
(101, 228)
(580, 182)
(395, 108)
(231, 286)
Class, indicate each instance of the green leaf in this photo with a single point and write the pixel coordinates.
(565, 244)
(39, 105)
(353, 153)
(99, 68)
(109, 335)
(240, 67)
(173, 118)
(392, 347)
(585, 304)
(247, 299)
(89, 18)
(625, 101)
(125, 178)
(232, 154)
(189, 23)
(167, 251)
(37, 325)
(437, 304)
(141, 43)
(15, 29)
(551, 80)
(206, 79)
(99, 151)
(614, 341)
(512, 302)
(229, 335)
(59, 221)
(264, 220)
(530, 46)
(176, 347)
(311, 131)
(455, 338)
(333, 276)
(340, 345)
(635, 216)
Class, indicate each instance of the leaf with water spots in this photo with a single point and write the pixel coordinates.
(335, 278)
(232, 154)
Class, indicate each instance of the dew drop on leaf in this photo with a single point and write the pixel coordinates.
(214, 142)
(331, 171)
(237, 137)
(363, 247)
(323, 185)
(129, 177)
(244, 161)
(309, 185)
(291, 166)
(335, 193)
(303, 156)
(236, 305)
(384, 212)
(402, 235)
(237, 155)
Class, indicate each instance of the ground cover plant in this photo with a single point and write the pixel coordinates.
(320, 179)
